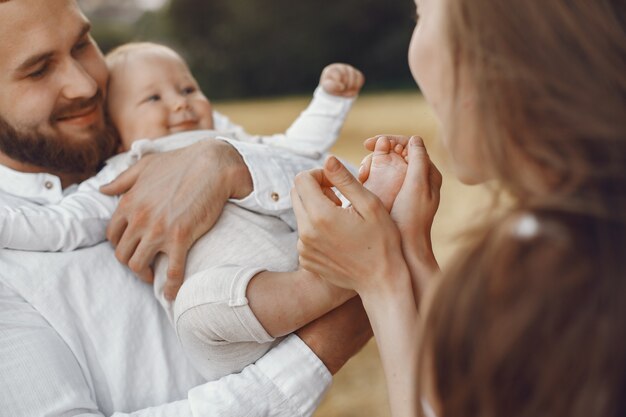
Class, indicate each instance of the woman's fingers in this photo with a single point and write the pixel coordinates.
(338, 175)
(364, 169)
(419, 162)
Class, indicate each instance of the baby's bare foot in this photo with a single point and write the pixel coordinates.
(386, 171)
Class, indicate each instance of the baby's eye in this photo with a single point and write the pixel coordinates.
(189, 90)
(153, 98)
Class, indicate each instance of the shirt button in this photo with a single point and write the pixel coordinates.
(48, 185)
(275, 196)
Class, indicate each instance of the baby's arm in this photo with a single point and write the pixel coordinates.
(317, 128)
(77, 220)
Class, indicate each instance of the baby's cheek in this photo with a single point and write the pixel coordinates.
(206, 119)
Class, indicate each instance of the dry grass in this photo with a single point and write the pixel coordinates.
(359, 388)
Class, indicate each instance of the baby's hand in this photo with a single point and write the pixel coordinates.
(342, 80)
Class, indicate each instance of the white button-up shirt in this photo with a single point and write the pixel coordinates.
(80, 335)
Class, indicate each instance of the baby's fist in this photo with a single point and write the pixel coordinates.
(342, 80)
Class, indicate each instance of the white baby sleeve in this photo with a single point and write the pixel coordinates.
(78, 220)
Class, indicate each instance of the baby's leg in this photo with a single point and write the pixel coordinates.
(228, 316)
(214, 323)
(285, 301)
(387, 169)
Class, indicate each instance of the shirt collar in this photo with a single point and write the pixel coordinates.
(39, 188)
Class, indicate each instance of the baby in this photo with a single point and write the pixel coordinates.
(242, 289)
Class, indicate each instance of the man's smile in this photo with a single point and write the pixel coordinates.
(84, 117)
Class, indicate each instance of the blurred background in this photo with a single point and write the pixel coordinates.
(259, 62)
(245, 48)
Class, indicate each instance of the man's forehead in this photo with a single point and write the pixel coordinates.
(29, 27)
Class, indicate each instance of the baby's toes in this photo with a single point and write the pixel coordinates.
(383, 146)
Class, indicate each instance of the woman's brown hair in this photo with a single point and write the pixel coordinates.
(550, 78)
(532, 320)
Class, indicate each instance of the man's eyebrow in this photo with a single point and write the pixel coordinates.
(34, 60)
(84, 31)
(45, 56)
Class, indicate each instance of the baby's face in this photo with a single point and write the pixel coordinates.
(153, 94)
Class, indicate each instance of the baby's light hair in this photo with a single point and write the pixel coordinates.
(121, 53)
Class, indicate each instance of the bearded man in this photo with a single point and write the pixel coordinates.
(80, 334)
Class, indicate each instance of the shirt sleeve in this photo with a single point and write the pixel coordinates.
(317, 128)
(39, 375)
(79, 219)
(273, 171)
(302, 147)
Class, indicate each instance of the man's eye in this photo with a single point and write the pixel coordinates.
(40, 73)
(81, 45)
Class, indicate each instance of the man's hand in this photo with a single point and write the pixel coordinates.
(170, 200)
(342, 80)
(338, 335)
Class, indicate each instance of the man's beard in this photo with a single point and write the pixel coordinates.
(59, 155)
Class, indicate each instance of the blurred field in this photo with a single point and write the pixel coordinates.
(359, 388)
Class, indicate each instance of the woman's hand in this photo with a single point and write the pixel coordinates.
(356, 247)
(359, 247)
(414, 211)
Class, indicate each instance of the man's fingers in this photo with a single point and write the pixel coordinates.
(141, 259)
(126, 248)
(116, 228)
(176, 261)
(123, 182)
(146, 275)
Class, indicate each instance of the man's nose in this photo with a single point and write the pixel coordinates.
(77, 83)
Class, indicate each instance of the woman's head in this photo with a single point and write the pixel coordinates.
(532, 93)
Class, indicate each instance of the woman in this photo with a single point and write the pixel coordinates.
(529, 320)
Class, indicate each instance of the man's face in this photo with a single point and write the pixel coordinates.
(52, 83)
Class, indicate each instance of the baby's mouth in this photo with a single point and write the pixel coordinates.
(184, 126)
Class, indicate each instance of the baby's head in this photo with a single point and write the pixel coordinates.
(152, 93)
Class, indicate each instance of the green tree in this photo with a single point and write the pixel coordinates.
(249, 47)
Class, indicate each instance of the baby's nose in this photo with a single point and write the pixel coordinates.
(181, 104)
